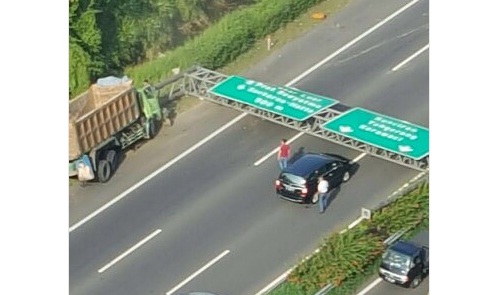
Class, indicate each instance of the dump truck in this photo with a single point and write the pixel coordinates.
(406, 262)
(105, 120)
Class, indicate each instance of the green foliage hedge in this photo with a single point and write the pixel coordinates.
(113, 34)
(223, 42)
(347, 260)
(106, 35)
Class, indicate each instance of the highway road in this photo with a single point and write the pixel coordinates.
(377, 286)
(382, 287)
(211, 220)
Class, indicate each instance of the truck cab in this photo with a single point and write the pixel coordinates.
(405, 263)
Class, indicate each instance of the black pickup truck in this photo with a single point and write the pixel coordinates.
(406, 263)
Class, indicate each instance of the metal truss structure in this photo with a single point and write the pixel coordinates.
(197, 81)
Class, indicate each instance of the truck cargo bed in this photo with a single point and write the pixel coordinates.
(98, 114)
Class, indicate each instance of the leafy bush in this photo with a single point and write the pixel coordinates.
(347, 260)
(223, 42)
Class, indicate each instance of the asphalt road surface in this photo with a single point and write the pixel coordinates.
(377, 286)
(381, 287)
(211, 221)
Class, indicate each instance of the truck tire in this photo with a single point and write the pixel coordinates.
(112, 157)
(152, 129)
(104, 171)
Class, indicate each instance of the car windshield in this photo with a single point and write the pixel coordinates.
(396, 261)
(292, 178)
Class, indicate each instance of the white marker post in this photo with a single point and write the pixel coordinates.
(366, 213)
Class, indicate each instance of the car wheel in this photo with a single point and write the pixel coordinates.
(346, 176)
(415, 282)
(314, 198)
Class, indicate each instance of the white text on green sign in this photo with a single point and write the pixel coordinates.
(382, 131)
(285, 101)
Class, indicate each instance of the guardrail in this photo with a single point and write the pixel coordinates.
(405, 189)
(198, 81)
(388, 242)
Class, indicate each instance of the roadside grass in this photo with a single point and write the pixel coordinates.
(281, 37)
(348, 260)
(259, 51)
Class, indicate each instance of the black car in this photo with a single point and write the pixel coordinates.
(299, 181)
(406, 263)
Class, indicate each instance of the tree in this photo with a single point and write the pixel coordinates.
(85, 45)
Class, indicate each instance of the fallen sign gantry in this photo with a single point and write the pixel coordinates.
(376, 134)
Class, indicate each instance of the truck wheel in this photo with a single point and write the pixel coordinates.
(415, 282)
(314, 198)
(113, 158)
(346, 176)
(104, 171)
(152, 129)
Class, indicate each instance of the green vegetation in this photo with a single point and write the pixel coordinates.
(347, 260)
(282, 36)
(89, 63)
(145, 39)
(108, 35)
(259, 50)
(223, 42)
(112, 37)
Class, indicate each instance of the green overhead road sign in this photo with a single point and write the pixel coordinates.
(285, 101)
(382, 131)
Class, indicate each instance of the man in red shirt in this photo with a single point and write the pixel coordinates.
(283, 154)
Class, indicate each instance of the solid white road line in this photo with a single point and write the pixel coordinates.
(213, 261)
(340, 50)
(355, 223)
(282, 277)
(276, 150)
(129, 250)
(223, 128)
(274, 283)
(411, 57)
(369, 287)
(352, 42)
(152, 175)
(360, 156)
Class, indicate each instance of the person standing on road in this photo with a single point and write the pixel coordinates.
(283, 154)
(322, 193)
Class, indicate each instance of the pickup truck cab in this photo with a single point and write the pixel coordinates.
(405, 263)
